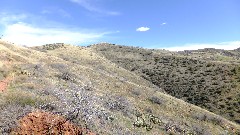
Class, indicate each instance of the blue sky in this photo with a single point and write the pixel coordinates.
(170, 24)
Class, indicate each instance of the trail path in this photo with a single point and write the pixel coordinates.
(4, 84)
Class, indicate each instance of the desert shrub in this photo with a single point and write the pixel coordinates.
(39, 70)
(209, 65)
(88, 87)
(119, 103)
(217, 120)
(52, 46)
(231, 114)
(222, 106)
(237, 121)
(3, 72)
(68, 76)
(234, 71)
(199, 130)
(148, 110)
(147, 121)
(201, 117)
(136, 92)
(155, 100)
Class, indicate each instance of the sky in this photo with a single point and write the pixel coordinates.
(161, 24)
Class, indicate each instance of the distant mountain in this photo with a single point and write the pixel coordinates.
(109, 89)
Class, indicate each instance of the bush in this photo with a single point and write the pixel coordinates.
(156, 100)
(119, 103)
(3, 72)
(237, 121)
(68, 77)
(136, 92)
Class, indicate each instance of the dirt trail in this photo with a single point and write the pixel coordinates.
(4, 84)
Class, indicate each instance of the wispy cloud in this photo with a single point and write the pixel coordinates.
(142, 29)
(91, 6)
(6, 18)
(223, 45)
(18, 31)
(57, 11)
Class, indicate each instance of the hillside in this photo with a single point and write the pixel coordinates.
(208, 78)
(86, 91)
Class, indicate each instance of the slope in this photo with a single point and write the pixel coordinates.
(208, 78)
(92, 92)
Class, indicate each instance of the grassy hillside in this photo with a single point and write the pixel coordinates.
(94, 93)
(208, 78)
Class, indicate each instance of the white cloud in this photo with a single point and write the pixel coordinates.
(142, 29)
(16, 30)
(163, 23)
(223, 45)
(90, 5)
(24, 34)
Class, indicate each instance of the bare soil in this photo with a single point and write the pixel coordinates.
(39, 123)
